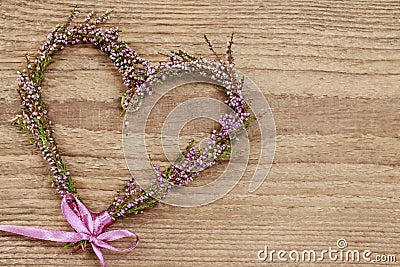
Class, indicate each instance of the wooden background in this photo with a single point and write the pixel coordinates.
(331, 73)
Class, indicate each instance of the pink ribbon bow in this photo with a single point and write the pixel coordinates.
(88, 226)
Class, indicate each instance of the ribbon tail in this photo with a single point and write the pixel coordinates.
(43, 234)
(99, 254)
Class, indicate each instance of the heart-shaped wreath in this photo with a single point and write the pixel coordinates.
(137, 73)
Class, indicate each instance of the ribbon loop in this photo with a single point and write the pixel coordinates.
(88, 226)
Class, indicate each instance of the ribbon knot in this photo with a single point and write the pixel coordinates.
(92, 239)
(88, 226)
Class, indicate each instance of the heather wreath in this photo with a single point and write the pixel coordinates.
(137, 75)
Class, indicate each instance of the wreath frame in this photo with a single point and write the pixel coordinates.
(136, 74)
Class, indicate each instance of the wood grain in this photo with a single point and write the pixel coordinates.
(331, 73)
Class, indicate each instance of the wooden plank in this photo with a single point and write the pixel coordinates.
(330, 71)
